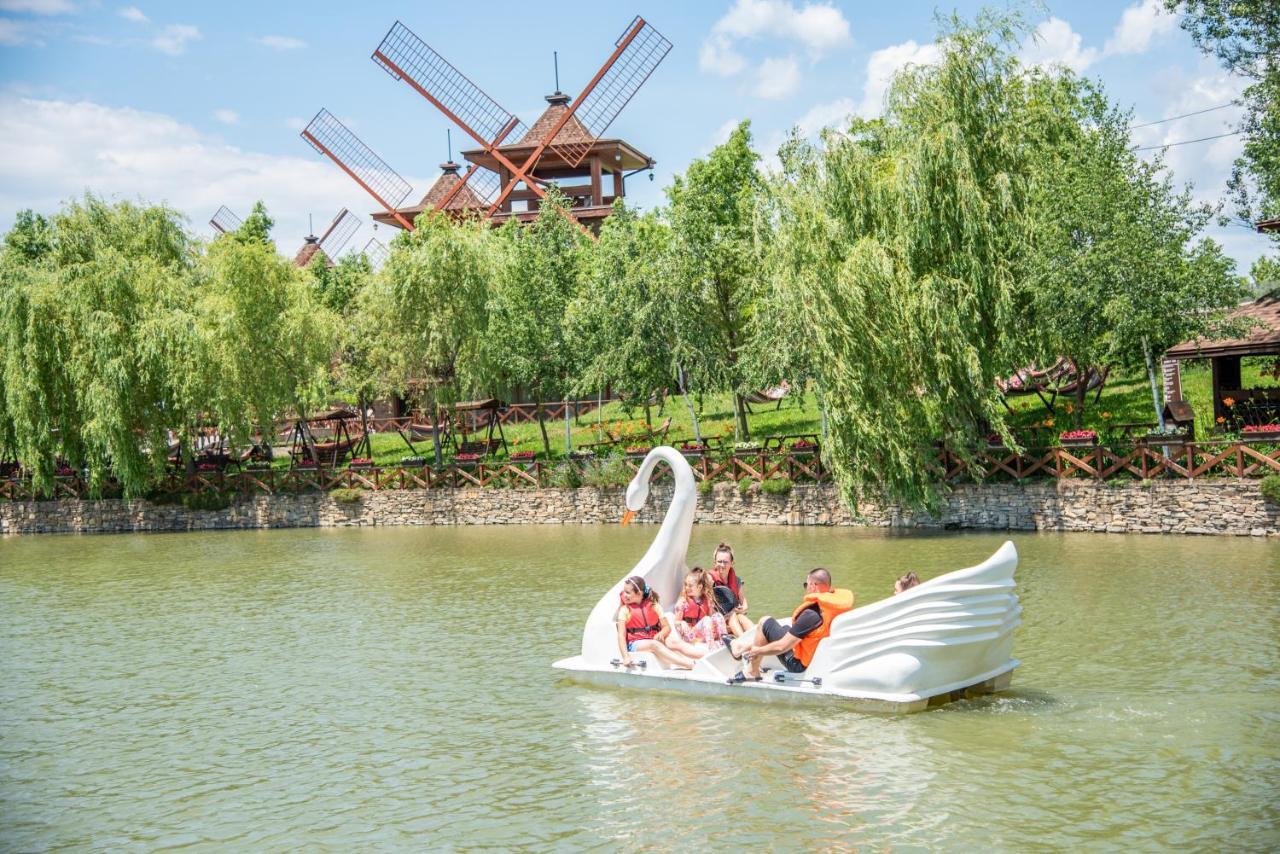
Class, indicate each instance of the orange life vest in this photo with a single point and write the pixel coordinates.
(643, 621)
(694, 611)
(831, 604)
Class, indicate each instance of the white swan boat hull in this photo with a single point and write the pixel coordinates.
(947, 638)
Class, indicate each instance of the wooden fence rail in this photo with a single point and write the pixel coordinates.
(1241, 459)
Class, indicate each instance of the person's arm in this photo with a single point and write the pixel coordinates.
(664, 618)
(621, 619)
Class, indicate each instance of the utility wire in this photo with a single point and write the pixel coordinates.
(1185, 115)
(1187, 141)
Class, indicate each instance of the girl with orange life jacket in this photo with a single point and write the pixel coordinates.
(699, 625)
(723, 574)
(641, 626)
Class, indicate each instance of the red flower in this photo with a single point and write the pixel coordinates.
(1260, 428)
(524, 455)
(466, 458)
(1078, 434)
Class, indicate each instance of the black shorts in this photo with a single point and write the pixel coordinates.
(773, 630)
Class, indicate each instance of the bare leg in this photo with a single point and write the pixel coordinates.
(753, 666)
(679, 645)
(666, 656)
(739, 624)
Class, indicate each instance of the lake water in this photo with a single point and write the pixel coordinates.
(392, 689)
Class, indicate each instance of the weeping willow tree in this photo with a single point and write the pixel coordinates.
(621, 320)
(96, 316)
(117, 335)
(425, 314)
(899, 249)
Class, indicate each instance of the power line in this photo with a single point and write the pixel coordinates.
(1185, 115)
(1187, 141)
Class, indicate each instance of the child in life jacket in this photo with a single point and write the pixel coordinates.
(723, 575)
(642, 627)
(699, 625)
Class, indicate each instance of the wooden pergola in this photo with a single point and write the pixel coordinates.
(1253, 405)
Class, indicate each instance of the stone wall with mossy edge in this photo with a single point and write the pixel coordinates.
(1227, 506)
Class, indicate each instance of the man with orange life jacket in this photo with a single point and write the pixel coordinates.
(795, 645)
(641, 627)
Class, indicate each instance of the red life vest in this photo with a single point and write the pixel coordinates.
(643, 621)
(694, 611)
(731, 582)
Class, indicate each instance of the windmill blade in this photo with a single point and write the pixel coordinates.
(376, 252)
(640, 49)
(338, 233)
(334, 140)
(225, 221)
(406, 57)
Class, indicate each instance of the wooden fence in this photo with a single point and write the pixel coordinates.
(1241, 459)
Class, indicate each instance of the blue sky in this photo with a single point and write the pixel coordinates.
(200, 104)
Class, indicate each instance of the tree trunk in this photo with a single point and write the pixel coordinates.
(693, 416)
(435, 430)
(542, 426)
(568, 436)
(740, 410)
(599, 416)
(648, 416)
(822, 409)
(365, 441)
(1151, 375)
(1082, 391)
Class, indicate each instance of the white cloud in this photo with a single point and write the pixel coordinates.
(830, 114)
(173, 38)
(295, 123)
(282, 42)
(1138, 25)
(227, 117)
(38, 7)
(818, 27)
(51, 151)
(718, 56)
(13, 33)
(1055, 43)
(883, 64)
(777, 78)
(132, 13)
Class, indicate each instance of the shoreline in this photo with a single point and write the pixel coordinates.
(1225, 507)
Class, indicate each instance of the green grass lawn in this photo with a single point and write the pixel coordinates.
(1126, 399)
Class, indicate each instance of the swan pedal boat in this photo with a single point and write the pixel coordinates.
(945, 639)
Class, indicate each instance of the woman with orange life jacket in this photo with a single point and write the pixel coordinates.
(642, 627)
(723, 575)
(795, 645)
(699, 625)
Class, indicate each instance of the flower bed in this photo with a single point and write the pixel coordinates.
(804, 446)
(524, 456)
(466, 458)
(362, 463)
(638, 451)
(1078, 438)
(1269, 432)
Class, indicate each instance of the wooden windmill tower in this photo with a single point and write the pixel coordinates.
(331, 242)
(509, 172)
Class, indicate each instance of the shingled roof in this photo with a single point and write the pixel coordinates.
(308, 250)
(463, 200)
(1263, 340)
(573, 130)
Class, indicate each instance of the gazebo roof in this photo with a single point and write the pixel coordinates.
(465, 199)
(308, 250)
(573, 130)
(1268, 225)
(1263, 340)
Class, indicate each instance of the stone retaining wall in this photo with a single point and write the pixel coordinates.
(1181, 507)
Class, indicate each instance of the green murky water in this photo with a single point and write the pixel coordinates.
(392, 689)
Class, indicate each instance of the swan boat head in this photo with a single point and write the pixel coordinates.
(665, 562)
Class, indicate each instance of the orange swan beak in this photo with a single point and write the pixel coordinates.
(627, 517)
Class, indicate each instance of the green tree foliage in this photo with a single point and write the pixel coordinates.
(336, 285)
(117, 336)
(1264, 276)
(528, 329)
(1116, 274)
(257, 226)
(1245, 37)
(425, 315)
(901, 243)
(718, 265)
(621, 319)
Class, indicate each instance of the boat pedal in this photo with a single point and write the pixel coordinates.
(617, 662)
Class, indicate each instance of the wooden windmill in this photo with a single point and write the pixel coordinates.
(224, 221)
(508, 174)
(331, 242)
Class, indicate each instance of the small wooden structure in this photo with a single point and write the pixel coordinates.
(473, 414)
(305, 448)
(1247, 406)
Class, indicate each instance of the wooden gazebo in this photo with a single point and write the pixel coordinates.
(1248, 405)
